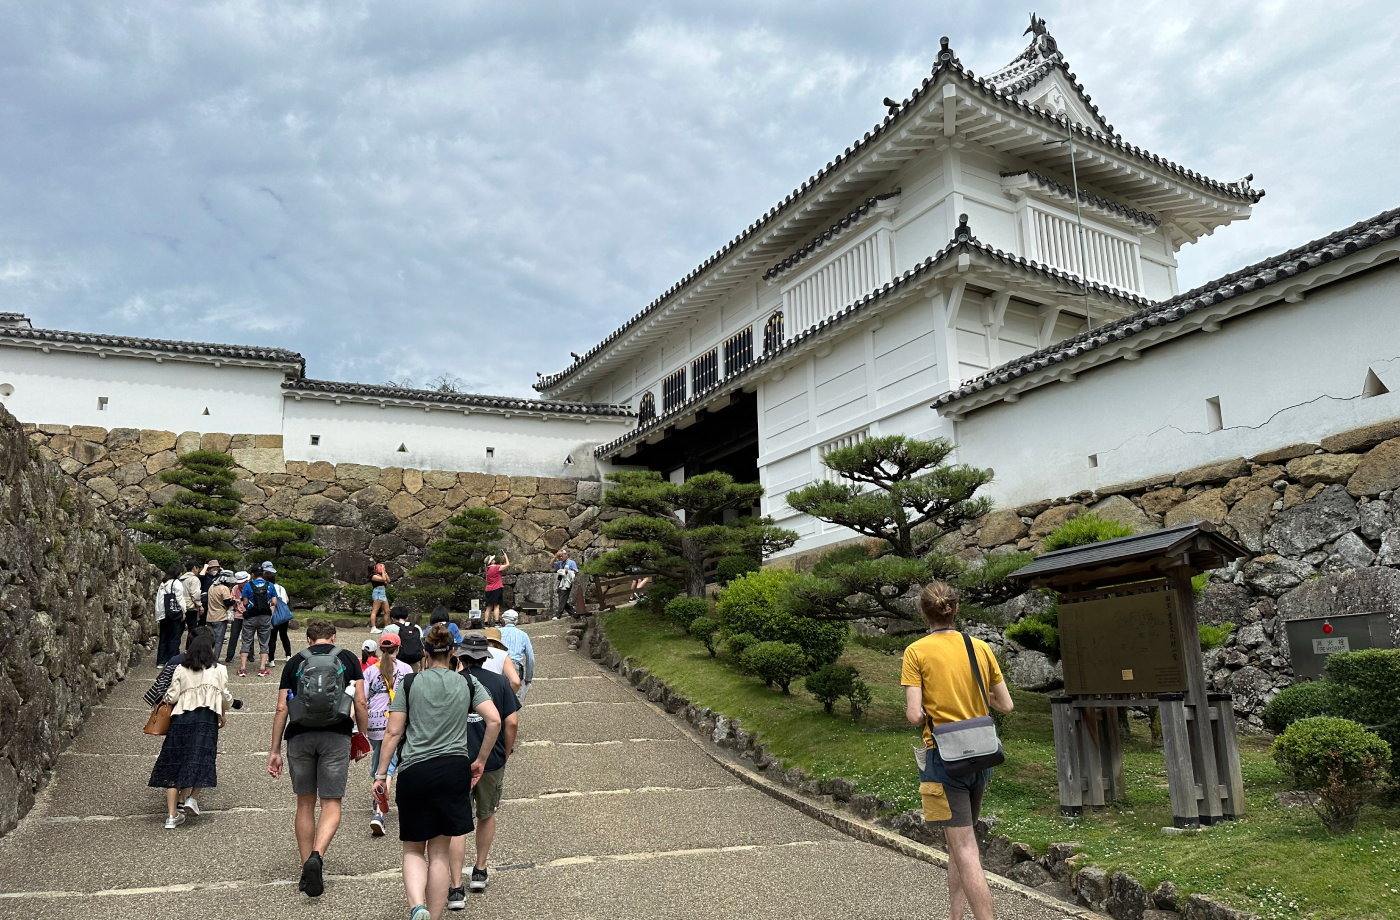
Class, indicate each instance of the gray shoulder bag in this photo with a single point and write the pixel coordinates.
(970, 745)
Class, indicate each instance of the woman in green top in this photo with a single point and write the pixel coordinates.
(435, 773)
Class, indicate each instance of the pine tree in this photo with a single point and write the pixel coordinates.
(199, 521)
(287, 545)
(677, 529)
(451, 571)
(898, 492)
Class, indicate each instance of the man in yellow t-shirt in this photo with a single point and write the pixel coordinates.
(939, 686)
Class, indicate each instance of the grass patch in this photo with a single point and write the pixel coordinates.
(1277, 862)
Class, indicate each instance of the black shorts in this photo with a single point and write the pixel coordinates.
(435, 799)
(495, 596)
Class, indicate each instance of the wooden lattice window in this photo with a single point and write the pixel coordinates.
(773, 333)
(646, 409)
(704, 371)
(673, 391)
(738, 351)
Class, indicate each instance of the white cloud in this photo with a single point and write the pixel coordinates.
(480, 188)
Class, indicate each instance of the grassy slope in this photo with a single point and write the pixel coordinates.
(1277, 862)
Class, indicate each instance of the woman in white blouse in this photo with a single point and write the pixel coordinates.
(199, 690)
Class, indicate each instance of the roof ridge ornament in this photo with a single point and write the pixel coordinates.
(946, 57)
(964, 233)
(1043, 41)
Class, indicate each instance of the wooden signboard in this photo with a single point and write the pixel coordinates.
(1122, 643)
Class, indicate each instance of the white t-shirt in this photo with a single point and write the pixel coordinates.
(497, 662)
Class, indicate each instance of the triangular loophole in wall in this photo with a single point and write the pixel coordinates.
(206, 410)
(1373, 386)
(403, 448)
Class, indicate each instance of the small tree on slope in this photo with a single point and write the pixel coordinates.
(199, 521)
(900, 493)
(451, 572)
(677, 529)
(287, 545)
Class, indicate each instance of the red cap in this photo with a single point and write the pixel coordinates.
(389, 640)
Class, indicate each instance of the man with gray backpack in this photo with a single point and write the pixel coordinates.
(321, 700)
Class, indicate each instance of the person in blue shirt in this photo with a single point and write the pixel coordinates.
(441, 614)
(518, 647)
(565, 569)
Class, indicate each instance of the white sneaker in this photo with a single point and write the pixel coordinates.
(191, 806)
(374, 631)
(174, 821)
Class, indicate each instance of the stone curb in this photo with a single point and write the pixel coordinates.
(851, 826)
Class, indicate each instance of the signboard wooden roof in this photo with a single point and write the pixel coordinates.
(1197, 546)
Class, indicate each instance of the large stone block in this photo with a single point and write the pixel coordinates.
(1223, 471)
(49, 428)
(165, 460)
(320, 471)
(334, 539)
(356, 473)
(1357, 591)
(1046, 522)
(317, 509)
(215, 440)
(1325, 468)
(477, 484)
(1307, 526)
(1378, 471)
(188, 442)
(103, 487)
(1160, 501)
(1280, 454)
(89, 433)
(1362, 438)
(429, 518)
(1236, 489)
(557, 486)
(153, 442)
(243, 442)
(391, 478)
(404, 506)
(439, 479)
(1250, 516)
(260, 459)
(1121, 509)
(267, 440)
(589, 492)
(1208, 506)
(522, 486)
(412, 481)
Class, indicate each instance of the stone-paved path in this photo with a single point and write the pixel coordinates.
(610, 813)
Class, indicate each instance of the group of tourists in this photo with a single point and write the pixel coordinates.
(435, 713)
(232, 605)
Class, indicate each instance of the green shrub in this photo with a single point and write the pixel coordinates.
(1087, 528)
(1199, 584)
(753, 604)
(1368, 691)
(1339, 760)
(850, 554)
(1300, 701)
(661, 592)
(776, 663)
(830, 683)
(704, 628)
(737, 644)
(682, 610)
(1039, 632)
(731, 567)
(159, 555)
(987, 584)
(1214, 636)
(859, 698)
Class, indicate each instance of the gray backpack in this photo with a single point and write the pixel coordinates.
(319, 699)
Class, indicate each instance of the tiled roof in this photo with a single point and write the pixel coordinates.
(453, 400)
(963, 242)
(1384, 226)
(947, 63)
(1040, 58)
(1087, 197)
(13, 318)
(204, 349)
(830, 233)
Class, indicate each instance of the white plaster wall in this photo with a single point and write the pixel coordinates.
(445, 439)
(1285, 374)
(62, 388)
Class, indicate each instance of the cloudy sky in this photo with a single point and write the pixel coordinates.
(478, 188)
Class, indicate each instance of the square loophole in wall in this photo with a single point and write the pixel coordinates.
(102, 404)
(315, 440)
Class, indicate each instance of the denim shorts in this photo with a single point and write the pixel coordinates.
(380, 593)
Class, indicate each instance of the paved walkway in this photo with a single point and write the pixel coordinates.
(611, 813)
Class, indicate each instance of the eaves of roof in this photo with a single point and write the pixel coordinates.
(365, 392)
(91, 341)
(947, 65)
(963, 243)
(1356, 238)
(1087, 197)
(841, 226)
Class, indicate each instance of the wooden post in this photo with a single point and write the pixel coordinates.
(1113, 757)
(1176, 747)
(1067, 768)
(1202, 732)
(1227, 749)
(1091, 755)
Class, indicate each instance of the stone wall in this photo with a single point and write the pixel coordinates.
(362, 514)
(76, 605)
(1322, 524)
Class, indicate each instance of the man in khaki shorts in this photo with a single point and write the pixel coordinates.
(475, 652)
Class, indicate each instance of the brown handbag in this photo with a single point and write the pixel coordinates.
(159, 722)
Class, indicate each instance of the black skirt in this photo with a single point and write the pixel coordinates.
(187, 757)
